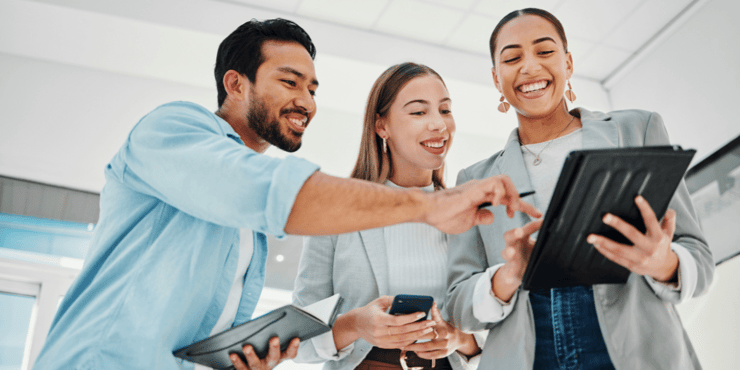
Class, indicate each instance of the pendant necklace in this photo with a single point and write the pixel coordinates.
(537, 159)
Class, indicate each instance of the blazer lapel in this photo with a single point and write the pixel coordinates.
(511, 163)
(374, 242)
(598, 130)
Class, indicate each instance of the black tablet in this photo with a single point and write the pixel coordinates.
(591, 184)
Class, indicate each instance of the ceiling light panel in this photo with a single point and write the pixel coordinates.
(594, 19)
(419, 20)
(288, 6)
(473, 34)
(644, 23)
(355, 13)
(499, 8)
(601, 62)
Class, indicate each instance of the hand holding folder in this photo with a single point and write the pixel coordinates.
(286, 323)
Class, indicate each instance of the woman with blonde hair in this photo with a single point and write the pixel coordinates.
(408, 130)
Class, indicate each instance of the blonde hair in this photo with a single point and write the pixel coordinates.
(372, 163)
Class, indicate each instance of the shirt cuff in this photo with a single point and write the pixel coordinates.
(486, 306)
(327, 349)
(474, 361)
(687, 278)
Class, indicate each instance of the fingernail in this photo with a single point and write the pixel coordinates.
(640, 198)
(431, 323)
(591, 239)
(607, 218)
(421, 315)
(427, 330)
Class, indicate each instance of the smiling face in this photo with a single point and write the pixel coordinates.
(532, 66)
(281, 100)
(419, 128)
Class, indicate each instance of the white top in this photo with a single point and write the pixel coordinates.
(544, 176)
(417, 258)
(417, 264)
(486, 306)
(226, 320)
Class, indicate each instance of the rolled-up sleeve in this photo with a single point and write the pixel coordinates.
(192, 160)
(486, 306)
(696, 265)
(687, 278)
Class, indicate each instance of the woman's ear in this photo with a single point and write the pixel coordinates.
(495, 79)
(569, 65)
(381, 126)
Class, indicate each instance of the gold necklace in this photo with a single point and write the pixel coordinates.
(537, 159)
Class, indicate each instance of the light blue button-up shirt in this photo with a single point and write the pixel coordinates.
(164, 254)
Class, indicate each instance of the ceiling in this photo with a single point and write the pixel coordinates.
(603, 34)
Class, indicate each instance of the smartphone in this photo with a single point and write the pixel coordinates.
(407, 303)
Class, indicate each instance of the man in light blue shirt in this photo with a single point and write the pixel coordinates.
(166, 267)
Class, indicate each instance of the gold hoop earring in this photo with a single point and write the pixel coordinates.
(385, 146)
(569, 94)
(504, 106)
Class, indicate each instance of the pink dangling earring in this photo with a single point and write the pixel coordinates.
(569, 94)
(385, 146)
(504, 106)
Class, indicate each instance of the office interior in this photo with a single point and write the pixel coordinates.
(76, 75)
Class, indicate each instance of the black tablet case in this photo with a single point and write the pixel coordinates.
(286, 322)
(591, 184)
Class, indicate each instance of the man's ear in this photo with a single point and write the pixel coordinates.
(236, 85)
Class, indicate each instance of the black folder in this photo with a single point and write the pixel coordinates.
(286, 322)
(591, 184)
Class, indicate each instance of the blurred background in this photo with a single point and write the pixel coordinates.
(76, 75)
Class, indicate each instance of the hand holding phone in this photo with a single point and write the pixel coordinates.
(404, 304)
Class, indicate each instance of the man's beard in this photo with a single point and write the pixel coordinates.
(270, 131)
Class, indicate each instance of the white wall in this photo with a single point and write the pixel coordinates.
(61, 124)
(691, 79)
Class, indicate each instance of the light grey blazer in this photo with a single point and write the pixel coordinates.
(641, 327)
(354, 265)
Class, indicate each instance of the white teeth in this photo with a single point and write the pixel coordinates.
(533, 86)
(298, 122)
(434, 145)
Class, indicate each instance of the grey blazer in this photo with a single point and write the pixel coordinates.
(354, 265)
(641, 327)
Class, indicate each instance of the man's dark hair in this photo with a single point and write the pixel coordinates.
(242, 49)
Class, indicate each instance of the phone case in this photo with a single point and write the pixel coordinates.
(407, 303)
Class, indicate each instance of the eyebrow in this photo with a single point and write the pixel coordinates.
(422, 101)
(517, 46)
(298, 74)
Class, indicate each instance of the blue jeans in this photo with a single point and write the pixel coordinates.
(567, 330)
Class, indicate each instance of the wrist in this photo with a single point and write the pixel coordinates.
(469, 346)
(422, 203)
(345, 330)
(670, 272)
(503, 287)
